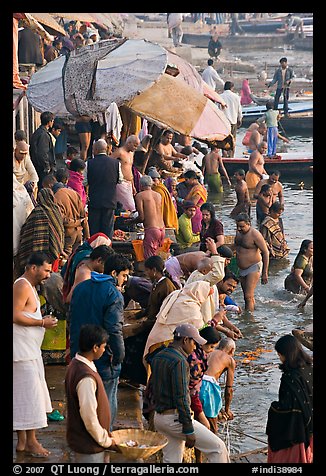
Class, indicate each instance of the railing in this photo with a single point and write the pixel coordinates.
(24, 115)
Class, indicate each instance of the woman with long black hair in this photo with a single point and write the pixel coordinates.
(211, 227)
(290, 419)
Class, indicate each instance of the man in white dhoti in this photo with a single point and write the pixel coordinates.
(126, 189)
(31, 399)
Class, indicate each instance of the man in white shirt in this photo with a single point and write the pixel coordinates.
(211, 77)
(233, 111)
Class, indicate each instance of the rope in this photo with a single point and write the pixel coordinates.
(140, 389)
(227, 438)
(249, 436)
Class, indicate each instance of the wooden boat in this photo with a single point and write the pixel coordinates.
(270, 25)
(254, 111)
(294, 163)
(256, 456)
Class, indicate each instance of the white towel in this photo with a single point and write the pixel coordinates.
(113, 122)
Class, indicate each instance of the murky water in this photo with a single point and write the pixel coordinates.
(257, 382)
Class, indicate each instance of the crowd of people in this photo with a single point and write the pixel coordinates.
(64, 221)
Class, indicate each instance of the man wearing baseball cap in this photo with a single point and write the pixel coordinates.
(173, 417)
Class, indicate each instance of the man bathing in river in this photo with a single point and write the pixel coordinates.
(252, 258)
(219, 361)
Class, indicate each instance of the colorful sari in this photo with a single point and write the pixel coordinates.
(273, 235)
(169, 213)
(196, 191)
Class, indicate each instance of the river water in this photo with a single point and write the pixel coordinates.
(257, 381)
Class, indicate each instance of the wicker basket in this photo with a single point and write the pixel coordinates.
(154, 442)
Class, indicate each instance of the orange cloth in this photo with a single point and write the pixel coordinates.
(16, 81)
(198, 190)
(252, 179)
(169, 213)
(131, 123)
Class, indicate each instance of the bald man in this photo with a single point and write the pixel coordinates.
(256, 168)
(212, 270)
(103, 175)
(126, 189)
(181, 266)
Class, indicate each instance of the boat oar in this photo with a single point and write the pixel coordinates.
(283, 129)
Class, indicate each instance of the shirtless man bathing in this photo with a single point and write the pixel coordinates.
(149, 207)
(219, 361)
(166, 156)
(256, 168)
(212, 162)
(252, 258)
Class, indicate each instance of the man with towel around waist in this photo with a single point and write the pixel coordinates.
(149, 207)
(219, 361)
(126, 189)
(252, 258)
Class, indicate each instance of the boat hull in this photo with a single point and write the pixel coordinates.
(286, 166)
(293, 123)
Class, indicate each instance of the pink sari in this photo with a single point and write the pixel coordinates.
(245, 93)
(296, 454)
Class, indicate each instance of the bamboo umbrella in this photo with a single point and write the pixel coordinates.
(47, 20)
(33, 24)
(86, 17)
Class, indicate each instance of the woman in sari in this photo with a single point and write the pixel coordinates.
(76, 178)
(272, 230)
(198, 196)
(245, 93)
(290, 419)
(300, 278)
(43, 231)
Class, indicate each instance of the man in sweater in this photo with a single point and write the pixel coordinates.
(88, 415)
(283, 76)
